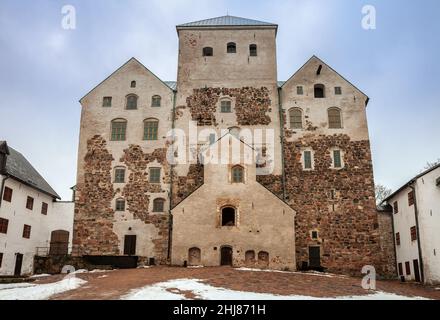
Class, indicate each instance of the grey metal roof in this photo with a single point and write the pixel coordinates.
(19, 168)
(171, 84)
(226, 21)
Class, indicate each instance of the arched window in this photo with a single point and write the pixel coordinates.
(295, 116)
(319, 90)
(228, 217)
(119, 175)
(237, 174)
(334, 118)
(118, 130)
(231, 47)
(208, 52)
(253, 50)
(151, 127)
(120, 204)
(133, 84)
(131, 102)
(158, 205)
(155, 101)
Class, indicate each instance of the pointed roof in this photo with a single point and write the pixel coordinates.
(19, 168)
(227, 21)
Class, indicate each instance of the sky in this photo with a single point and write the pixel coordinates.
(45, 69)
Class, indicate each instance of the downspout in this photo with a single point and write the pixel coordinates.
(280, 107)
(416, 214)
(170, 221)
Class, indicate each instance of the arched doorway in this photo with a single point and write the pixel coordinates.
(194, 256)
(226, 256)
(59, 243)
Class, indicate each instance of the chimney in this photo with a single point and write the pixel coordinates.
(4, 152)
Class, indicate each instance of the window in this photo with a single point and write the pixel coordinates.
(400, 269)
(299, 90)
(120, 205)
(225, 106)
(307, 157)
(228, 217)
(295, 116)
(395, 207)
(107, 102)
(231, 47)
(319, 90)
(155, 101)
(44, 207)
(338, 90)
(155, 175)
(337, 159)
(237, 174)
(334, 118)
(208, 52)
(398, 238)
(7, 194)
(133, 84)
(151, 127)
(158, 205)
(29, 203)
(1, 259)
(131, 103)
(314, 234)
(26, 231)
(408, 268)
(253, 50)
(413, 231)
(119, 175)
(119, 127)
(4, 225)
(411, 198)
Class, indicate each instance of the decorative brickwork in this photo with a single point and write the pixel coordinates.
(93, 224)
(251, 105)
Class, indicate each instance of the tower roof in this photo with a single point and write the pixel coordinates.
(227, 21)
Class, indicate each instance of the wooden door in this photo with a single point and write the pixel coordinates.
(130, 245)
(314, 257)
(59, 242)
(416, 270)
(18, 264)
(226, 256)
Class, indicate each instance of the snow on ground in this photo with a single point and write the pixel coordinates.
(161, 291)
(312, 273)
(40, 275)
(28, 291)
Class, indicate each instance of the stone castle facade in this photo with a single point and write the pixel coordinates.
(315, 207)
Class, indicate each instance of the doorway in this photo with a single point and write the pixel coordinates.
(314, 257)
(416, 270)
(226, 256)
(130, 245)
(18, 264)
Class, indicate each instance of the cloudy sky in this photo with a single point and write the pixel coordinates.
(45, 70)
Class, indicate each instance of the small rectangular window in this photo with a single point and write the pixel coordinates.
(44, 207)
(400, 269)
(158, 205)
(307, 160)
(26, 231)
(413, 231)
(4, 225)
(411, 198)
(398, 238)
(395, 207)
(337, 158)
(408, 268)
(1, 259)
(299, 90)
(225, 106)
(29, 203)
(119, 175)
(338, 90)
(253, 50)
(314, 234)
(155, 175)
(120, 205)
(107, 102)
(7, 194)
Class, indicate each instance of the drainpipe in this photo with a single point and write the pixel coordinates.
(280, 107)
(416, 214)
(170, 222)
(2, 187)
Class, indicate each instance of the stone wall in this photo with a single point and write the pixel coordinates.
(183, 186)
(387, 243)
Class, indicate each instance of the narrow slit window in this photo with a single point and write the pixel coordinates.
(337, 161)
(307, 159)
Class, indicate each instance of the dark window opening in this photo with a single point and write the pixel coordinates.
(228, 217)
(158, 205)
(120, 205)
(408, 268)
(1, 259)
(7, 194)
(133, 84)
(131, 102)
(26, 231)
(400, 269)
(411, 198)
(253, 50)
(44, 207)
(29, 203)
(4, 225)
(398, 238)
(337, 161)
(299, 90)
(338, 90)
(155, 101)
(319, 91)
(130, 245)
(107, 102)
(208, 52)
(413, 231)
(396, 207)
(119, 175)
(314, 234)
(231, 47)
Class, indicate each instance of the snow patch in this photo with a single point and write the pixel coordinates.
(40, 275)
(312, 273)
(22, 291)
(160, 291)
